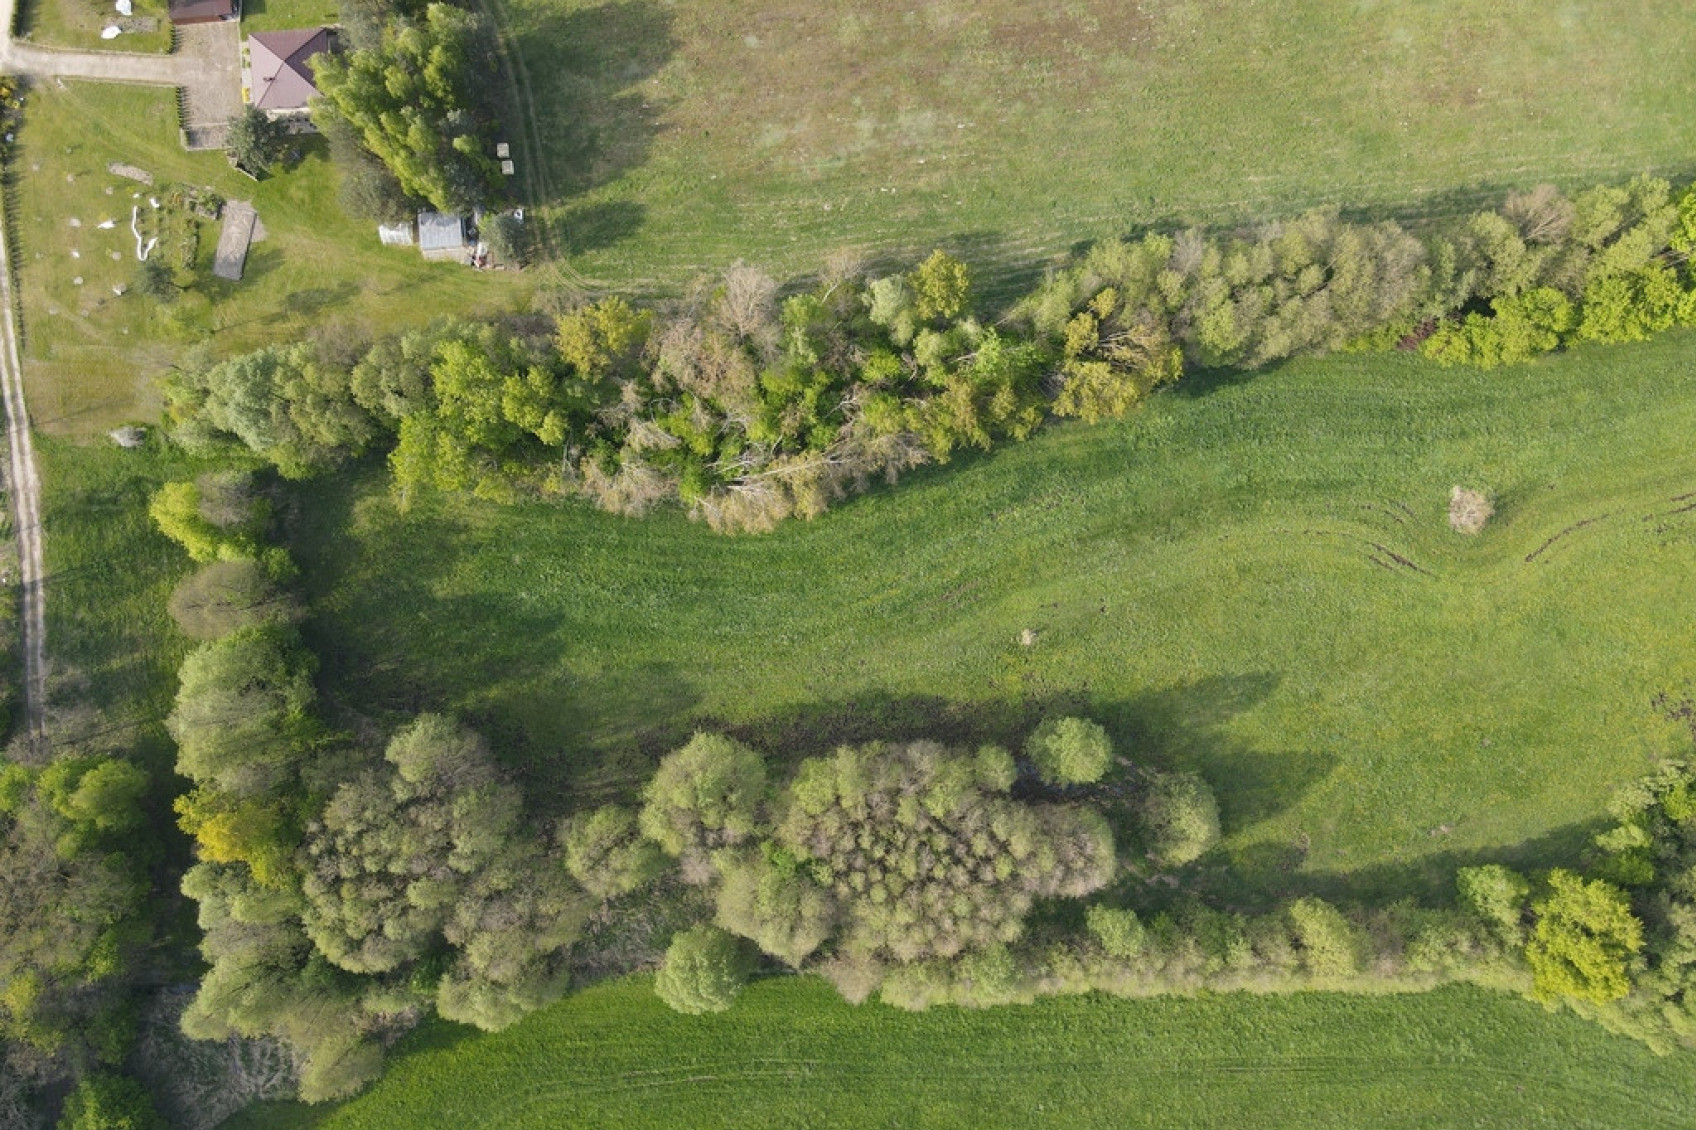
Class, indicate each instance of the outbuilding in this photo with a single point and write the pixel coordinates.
(204, 11)
(441, 237)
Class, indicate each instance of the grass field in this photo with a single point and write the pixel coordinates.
(113, 651)
(790, 1054)
(678, 137)
(91, 357)
(77, 24)
(1252, 577)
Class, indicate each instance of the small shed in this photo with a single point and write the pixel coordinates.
(441, 236)
(395, 235)
(204, 11)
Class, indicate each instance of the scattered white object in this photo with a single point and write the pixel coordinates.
(77, 281)
(118, 289)
(107, 225)
(111, 31)
(76, 223)
(76, 254)
(117, 256)
(153, 200)
(140, 251)
(125, 8)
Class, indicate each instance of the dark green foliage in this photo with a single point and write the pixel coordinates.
(606, 852)
(257, 143)
(1180, 817)
(110, 1102)
(708, 795)
(1070, 751)
(415, 101)
(153, 279)
(227, 595)
(508, 239)
(704, 970)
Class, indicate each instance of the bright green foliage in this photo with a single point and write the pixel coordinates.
(940, 286)
(216, 517)
(110, 1102)
(71, 890)
(1631, 306)
(1583, 941)
(922, 853)
(1498, 897)
(707, 795)
(1180, 817)
(1070, 751)
(241, 711)
(606, 852)
(704, 970)
(1118, 930)
(1525, 325)
(255, 831)
(417, 104)
(494, 401)
(1331, 945)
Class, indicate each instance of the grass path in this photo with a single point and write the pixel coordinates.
(791, 1055)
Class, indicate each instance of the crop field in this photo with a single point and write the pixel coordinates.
(92, 356)
(678, 137)
(790, 1054)
(1253, 577)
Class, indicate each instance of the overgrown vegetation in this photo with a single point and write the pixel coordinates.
(749, 407)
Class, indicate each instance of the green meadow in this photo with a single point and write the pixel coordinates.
(790, 1054)
(1250, 577)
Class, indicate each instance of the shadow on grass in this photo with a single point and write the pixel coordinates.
(590, 227)
(584, 70)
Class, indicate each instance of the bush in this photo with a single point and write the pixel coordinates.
(1180, 818)
(705, 968)
(606, 854)
(707, 795)
(110, 1102)
(1119, 931)
(1070, 751)
(1583, 941)
(1331, 945)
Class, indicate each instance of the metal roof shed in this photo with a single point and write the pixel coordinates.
(441, 235)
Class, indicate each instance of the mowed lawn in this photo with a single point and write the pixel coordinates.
(1252, 576)
(91, 356)
(790, 1054)
(678, 137)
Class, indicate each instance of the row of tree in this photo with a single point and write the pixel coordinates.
(748, 404)
(340, 895)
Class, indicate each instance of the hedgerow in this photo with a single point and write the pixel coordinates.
(748, 402)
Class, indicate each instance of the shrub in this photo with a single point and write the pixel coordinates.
(606, 853)
(110, 1102)
(707, 795)
(1331, 945)
(1583, 941)
(1180, 818)
(1070, 751)
(1119, 931)
(705, 968)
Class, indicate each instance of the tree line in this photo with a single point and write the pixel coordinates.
(748, 403)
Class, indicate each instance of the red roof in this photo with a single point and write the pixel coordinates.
(282, 80)
(201, 11)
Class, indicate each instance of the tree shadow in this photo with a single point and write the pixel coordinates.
(591, 227)
(582, 70)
